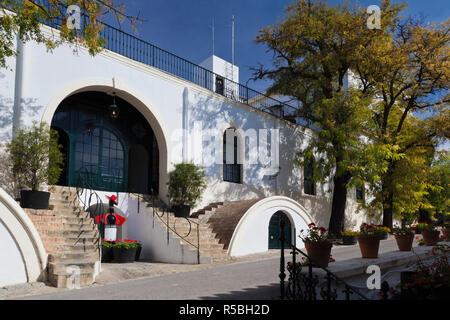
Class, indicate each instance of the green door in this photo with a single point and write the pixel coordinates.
(99, 160)
(274, 230)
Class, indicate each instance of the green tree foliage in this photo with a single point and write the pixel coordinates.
(409, 74)
(36, 156)
(23, 18)
(186, 184)
(314, 48)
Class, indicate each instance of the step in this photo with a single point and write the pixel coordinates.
(78, 221)
(80, 227)
(67, 213)
(62, 280)
(61, 267)
(74, 256)
(81, 240)
(80, 247)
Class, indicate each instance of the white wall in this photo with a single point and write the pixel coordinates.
(251, 234)
(22, 254)
(141, 225)
(12, 266)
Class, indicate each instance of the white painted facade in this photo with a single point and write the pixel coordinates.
(22, 254)
(188, 122)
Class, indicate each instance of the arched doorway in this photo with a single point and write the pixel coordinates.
(100, 146)
(274, 230)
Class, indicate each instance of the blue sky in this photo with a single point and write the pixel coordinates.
(183, 27)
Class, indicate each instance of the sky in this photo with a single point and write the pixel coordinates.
(183, 27)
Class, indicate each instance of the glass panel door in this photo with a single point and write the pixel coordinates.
(99, 160)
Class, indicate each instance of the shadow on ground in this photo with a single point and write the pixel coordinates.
(266, 292)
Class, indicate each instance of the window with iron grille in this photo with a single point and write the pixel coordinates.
(309, 185)
(232, 172)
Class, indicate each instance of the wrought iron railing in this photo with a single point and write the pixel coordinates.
(161, 211)
(304, 285)
(132, 47)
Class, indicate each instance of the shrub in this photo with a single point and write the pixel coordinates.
(186, 184)
(36, 156)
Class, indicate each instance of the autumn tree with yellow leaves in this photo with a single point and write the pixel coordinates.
(361, 130)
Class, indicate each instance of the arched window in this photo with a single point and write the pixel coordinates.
(232, 169)
(360, 193)
(99, 152)
(308, 182)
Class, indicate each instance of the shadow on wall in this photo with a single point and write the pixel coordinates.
(29, 111)
(7, 181)
(215, 116)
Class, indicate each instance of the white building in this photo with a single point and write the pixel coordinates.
(171, 111)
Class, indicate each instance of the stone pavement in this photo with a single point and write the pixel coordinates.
(250, 277)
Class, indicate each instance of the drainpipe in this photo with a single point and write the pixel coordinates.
(185, 124)
(18, 87)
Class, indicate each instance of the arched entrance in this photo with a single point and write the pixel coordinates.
(274, 230)
(100, 149)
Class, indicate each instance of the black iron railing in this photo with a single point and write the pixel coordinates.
(130, 46)
(162, 212)
(305, 285)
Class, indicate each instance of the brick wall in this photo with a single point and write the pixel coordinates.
(50, 228)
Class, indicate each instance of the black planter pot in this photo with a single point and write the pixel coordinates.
(124, 255)
(107, 254)
(384, 236)
(182, 211)
(138, 253)
(348, 240)
(34, 199)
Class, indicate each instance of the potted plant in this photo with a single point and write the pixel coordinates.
(317, 244)
(186, 185)
(369, 240)
(384, 231)
(36, 159)
(107, 251)
(125, 252)
(404, 236)
(429, 233)
(138, 251)
(349, 237)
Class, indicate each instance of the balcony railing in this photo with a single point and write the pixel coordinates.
(144, 52)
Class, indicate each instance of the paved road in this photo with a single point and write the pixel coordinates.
(246, 280)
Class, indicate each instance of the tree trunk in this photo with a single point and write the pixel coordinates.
(388, 201)
(337, 218)
(388, 196)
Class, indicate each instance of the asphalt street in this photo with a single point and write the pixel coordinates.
(256, 280)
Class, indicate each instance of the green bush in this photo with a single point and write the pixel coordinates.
(186, 184)
(36, 156)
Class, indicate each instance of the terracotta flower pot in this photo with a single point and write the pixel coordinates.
(319, 252)
(430, 238)
(369, 246)
(446, 233)
(404, 242)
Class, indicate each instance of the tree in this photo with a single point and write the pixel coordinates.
(23, 18)
(409, 74)
(314, 49)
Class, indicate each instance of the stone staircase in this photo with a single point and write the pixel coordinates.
(216, 224)
(70, 237)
